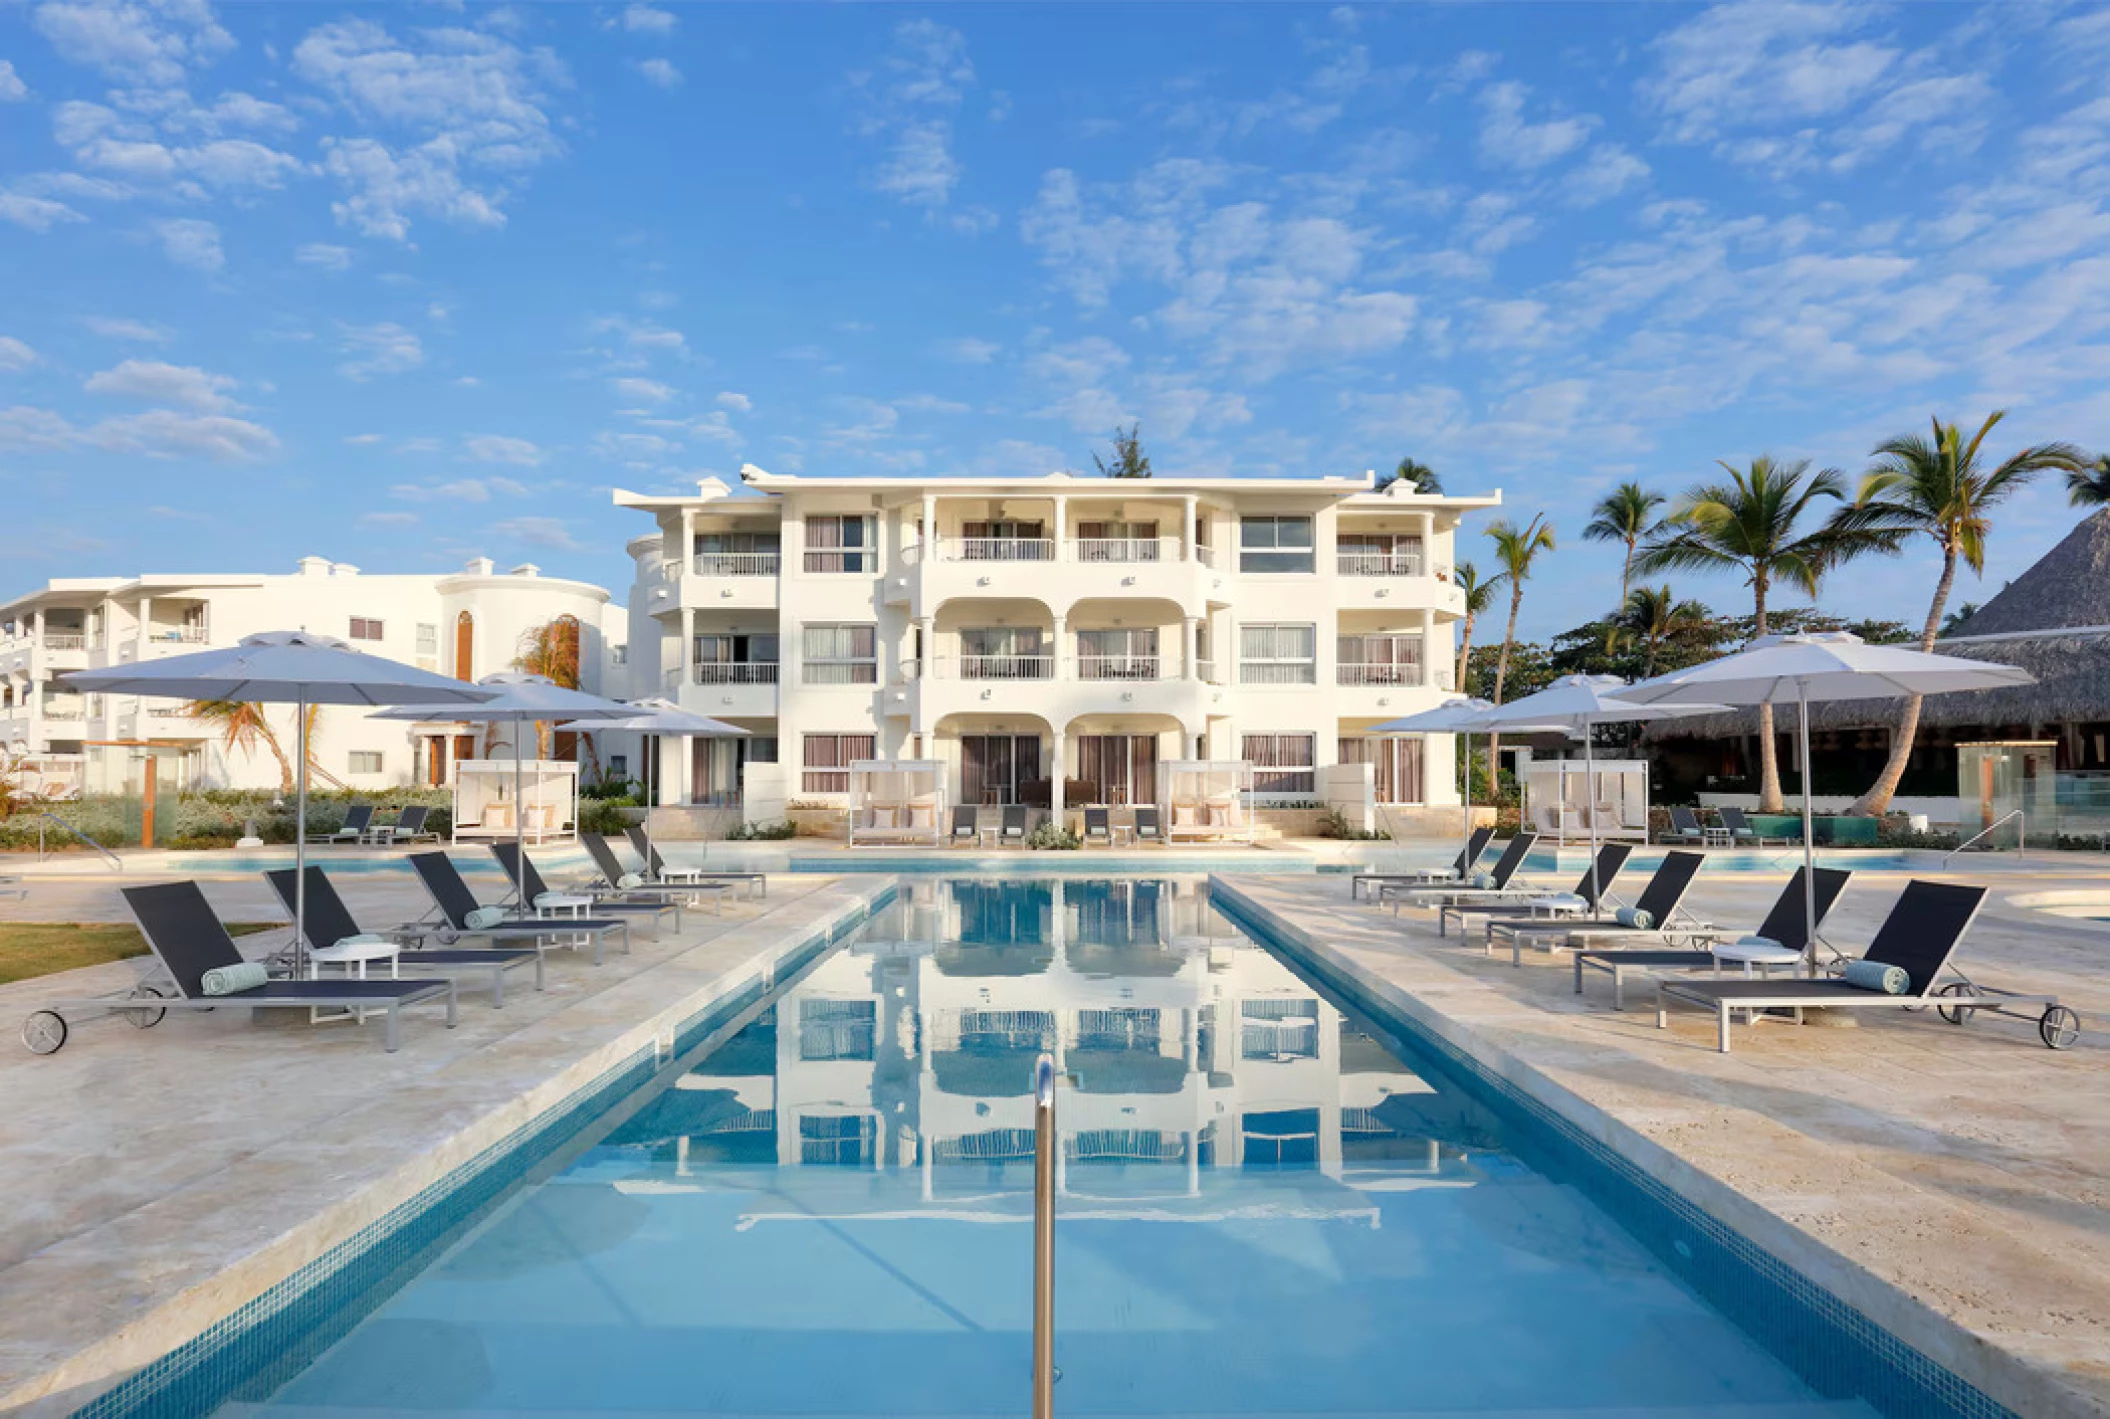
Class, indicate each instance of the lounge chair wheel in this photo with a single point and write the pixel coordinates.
(2059, 1027)
(145, 1017)
(1955, 1014)
(44, 1032)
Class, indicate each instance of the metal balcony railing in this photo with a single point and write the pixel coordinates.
(1118, 667)
(1379, 563)
(1373, 673)
(735, 563)
(1125, 549)
(64, 641)
(61, 711)
(1007, 667)
(1206, 556)
(736, 672)
(997, 549)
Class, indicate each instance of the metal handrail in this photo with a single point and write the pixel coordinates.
(1044, 1145)
(108, 856)
(2021, 834)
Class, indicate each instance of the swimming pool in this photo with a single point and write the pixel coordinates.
(1268, 1207)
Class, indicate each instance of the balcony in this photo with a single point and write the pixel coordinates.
(64, 709)
(730, 689)
(717, 581)
(734, 672)
(176, 635)
(1376, 563)
(1005, 667)
(65, 640)
(1125, 549)
(1119, 667)
(1058, 691)
(1056, 574)
(996, 549)
(1394, 676)
(733, 563)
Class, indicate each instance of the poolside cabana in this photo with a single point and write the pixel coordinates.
(1207, 800)
(1562, 795)
(485, 808)
(897, 801)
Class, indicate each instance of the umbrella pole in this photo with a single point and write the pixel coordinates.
(300, 845)
(519, 817)
(1465, 848)
(1809, 850)
(1590, 812)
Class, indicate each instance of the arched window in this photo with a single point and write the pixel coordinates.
(465, 647)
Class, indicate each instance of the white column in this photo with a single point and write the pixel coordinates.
(1059, 652)
(1190, 642)
(1062, 527)
(685, 555)
(1191, 505)
(1055, 776)
(930, 526)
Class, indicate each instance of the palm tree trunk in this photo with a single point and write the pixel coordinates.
(1877, 800)
(1509, 638)
(1626, 573)
(1465, 656)
(1769, 799)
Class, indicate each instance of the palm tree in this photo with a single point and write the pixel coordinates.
(1424, 478)
(1955, 621)
(1479, 595)
(1750, 524)
(1627, 515)
(552, 651)
(1651, 616)
(242, 726)
(2089, 486)
(1936, 486)
(1517, 549)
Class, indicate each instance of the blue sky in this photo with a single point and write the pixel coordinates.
(401, 285)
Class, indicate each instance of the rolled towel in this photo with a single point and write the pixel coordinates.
(1874, 975)
(484, 918)
(233, 980)
(1634, 917)
(1483, 880)
(629, 880)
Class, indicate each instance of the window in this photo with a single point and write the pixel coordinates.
(840, 544)
(1117, 541)
(1396, 761)
(1378, 554)
(618, 766)
(995, 768)
(363, 761)
(841, 655)
(1278, 655)
(1127, 654)
(734, 658)
(1004, 653)
(1275, 544)
(736, 553)
(828, 759)
(1378, 660)
(365, 629)
(1005, 540)
(619, 654)
(1123, 768)
(1284, 765)
(428, 639)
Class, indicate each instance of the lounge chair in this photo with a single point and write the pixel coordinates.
(1150, 828)
(1498, 889)
(1919, 936)
(328, 921)
(610, 872)
(453, 900)
(1502, 918)
(1462, 864)
(1742, 833)
(657, 870)
(409, 827)
(188, 940)
(1684, 828)
(1098, 827)
(1013, 829)
(357, 820)
(965, 828)
(1662, 899)
(538, 896)
(1787, 923)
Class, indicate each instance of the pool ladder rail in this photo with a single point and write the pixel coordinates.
(1044, 1146)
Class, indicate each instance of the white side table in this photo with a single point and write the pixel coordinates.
(563, 904)
(354, 956)
(1716, 837)
(1764, 958)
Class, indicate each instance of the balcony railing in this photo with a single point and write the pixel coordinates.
(997, 549)
(1274, 672)
(1206, 556)
(61, 640)
(1125, 549)
(1379, 563)
(736, 563)
(177, 635)
(736, 672)
(1007, 667)
(1398, 676)
(64, 711)
(1117, 667)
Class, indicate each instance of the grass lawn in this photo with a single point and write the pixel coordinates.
(39, 948)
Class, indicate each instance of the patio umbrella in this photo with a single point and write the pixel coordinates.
(300, 668)
(1459, 716)
(659, 716)
(1828, 665)
(1579, 703)
(520, 699)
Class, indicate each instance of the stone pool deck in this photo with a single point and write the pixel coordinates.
(159, 1179)
(1953, 1184)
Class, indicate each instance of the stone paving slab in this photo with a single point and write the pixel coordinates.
(1952, 1183)
(159, 1179)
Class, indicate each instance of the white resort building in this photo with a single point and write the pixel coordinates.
(1049, 637)
(466, 624)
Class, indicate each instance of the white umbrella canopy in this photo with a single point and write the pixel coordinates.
(300, 668)
(1579, 703)
(659, 716)
(518, 698)
(1821, 666)
(1459, 716)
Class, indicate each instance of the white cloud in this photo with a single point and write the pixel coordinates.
(159, 383)
(471, 100)
(192, 242)
(164, 433)
(150, 43)
(388, 519)
(37, 214)
(497, 448)
(551, 532)
(643, 19)
(380, 349)
(365, 440)
(12, 89)
(1506, 138)
(323, 256)
(1087, 361)
(660, 73)
(460, 490)
(137, 331)
(43, 430)
(633, 390)
(968, 350)
(1607, 171)
(1794, 57)
(908, 104)
(638, 450)
(738, 403)
(15, 356)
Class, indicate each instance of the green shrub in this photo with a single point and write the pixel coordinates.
(1051, 836)
(1335, 824)
(763, 832)
(602, 815)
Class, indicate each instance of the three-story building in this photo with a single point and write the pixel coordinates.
(1027, 631)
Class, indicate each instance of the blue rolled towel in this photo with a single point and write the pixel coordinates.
(1874, 975)
(233, 980)
(1634, 917)
(1483, 880)
(484, 918)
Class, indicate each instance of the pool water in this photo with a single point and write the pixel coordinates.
(1265, 1208)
